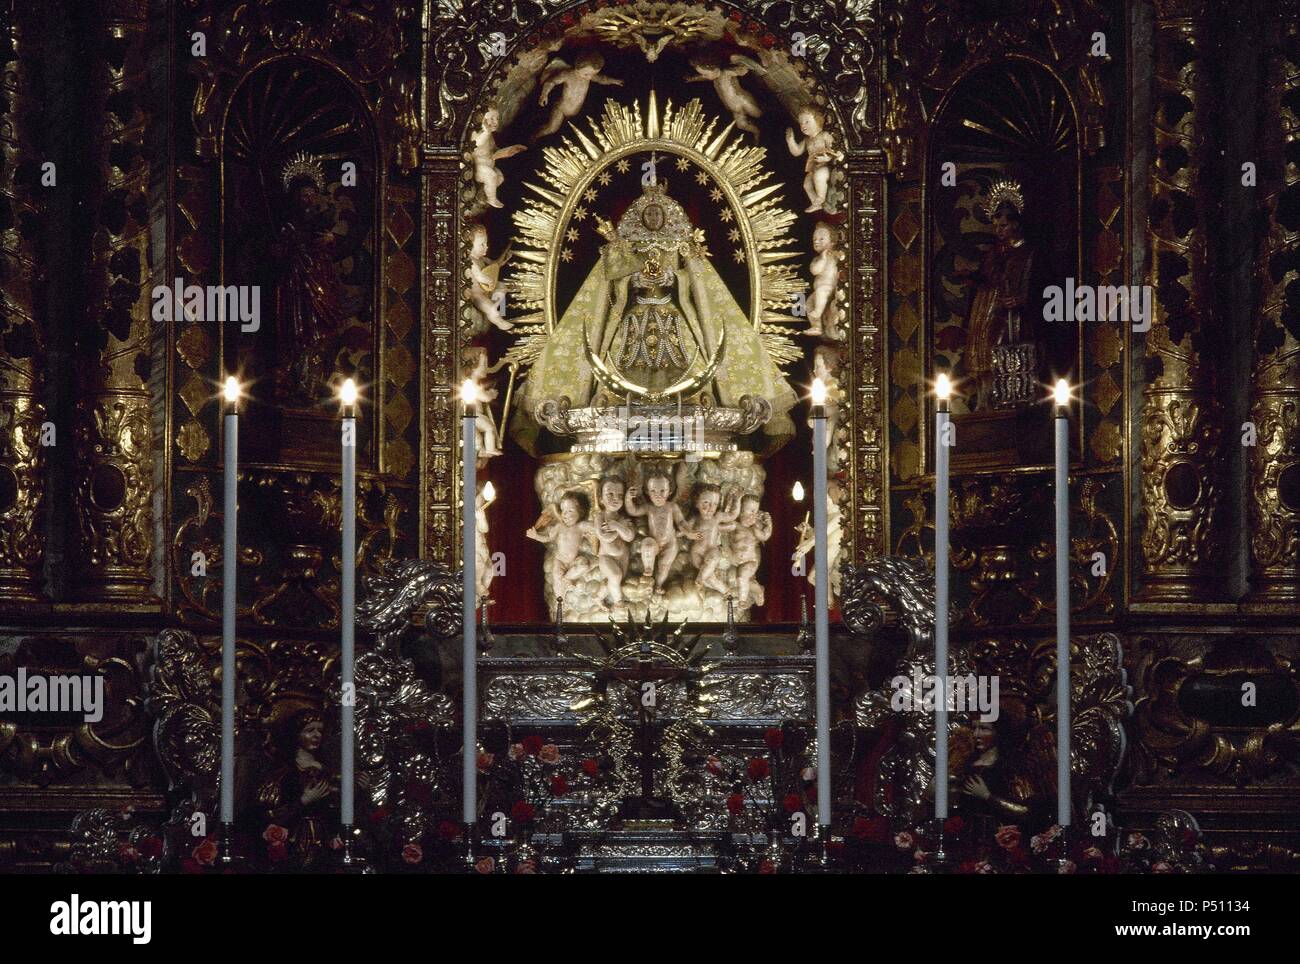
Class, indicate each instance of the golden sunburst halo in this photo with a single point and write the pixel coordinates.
(743, 184)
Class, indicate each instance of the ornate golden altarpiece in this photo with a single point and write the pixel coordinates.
(904, 85)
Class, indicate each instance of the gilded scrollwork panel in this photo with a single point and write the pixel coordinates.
(22, 331)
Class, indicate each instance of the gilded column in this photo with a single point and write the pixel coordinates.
(112, 491)
(1274, 460)
(1181, 423)
(22, 335)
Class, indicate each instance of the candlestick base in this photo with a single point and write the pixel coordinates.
(821, 854)
(940, 859)
(805, 639)
(227, 860)
(470, 833)
(486, 639)
(730, 641)
(349, 860)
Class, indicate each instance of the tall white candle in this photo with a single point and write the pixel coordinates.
(1062, 399)
(821, 570)
(347, 782)
(469, 748)
(942, 442)
(229, 553)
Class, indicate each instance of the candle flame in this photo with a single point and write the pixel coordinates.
(489, 493)
(818, 392)
(232, 390)
(797, 492)
(348, 392)
(942, 386)
(469, 391)
(1062, 392)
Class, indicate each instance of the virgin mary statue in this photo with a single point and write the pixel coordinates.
(657, 313)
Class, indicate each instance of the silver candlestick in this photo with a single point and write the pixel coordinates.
(805, 637)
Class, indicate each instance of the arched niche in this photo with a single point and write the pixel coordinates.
(783, 88)
(1005, 135)
(300, 198)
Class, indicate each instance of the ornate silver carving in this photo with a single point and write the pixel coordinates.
(654, 428)
(399, 589)
(904, 584)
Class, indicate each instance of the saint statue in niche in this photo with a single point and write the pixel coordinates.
(308, 293)
(655, 310)
(1001, 312)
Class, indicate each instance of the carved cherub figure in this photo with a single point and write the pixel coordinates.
(808, 539)
(753, 528)
(820, 148)
(726, 81)
(566, 526)
(663, 520)
(615, 533)
(482, 554)
(707, 524)
(823, 313)
(484, 276)
(486, 154)
(823, 360)
(486, 438)
(576, 81)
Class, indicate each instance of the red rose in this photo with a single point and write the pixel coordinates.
(277, 851)
(533, 745)
(448, 830)
(127, 853)
(559, 785)
(412, 853)
(774, 739)
(735, 803)
(871, 829)
(767, 867)
(522, 812)
(274, 833)
(591, 767)
(485, 761)
(151, 846)
(792, 802)
(1008, 836)
(953, 826)
(206, 852)
(485, 865)
(758, 768)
